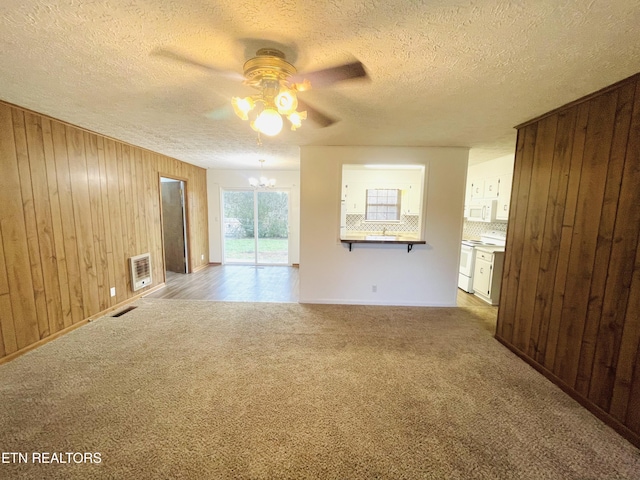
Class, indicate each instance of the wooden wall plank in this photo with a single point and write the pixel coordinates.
(82, 213)
(113, 158)
(139, 210)
(4, 294)
(108, 260)
(18, 334)
(632, 419)
(551, 240)
(618, 269)
(566, 238)
(200, 206)
(134, 207)
(516, 231)
(44, 225)
(129, 206)
(600, 270)
(65, 196)
(4, 280)
(7, 346)
(627, 365)
(155, 244)
(534, 233)
(97, 223)
(64, 319)
(581, 258)
(33, 246)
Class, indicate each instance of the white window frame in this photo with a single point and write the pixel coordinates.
(383, 209)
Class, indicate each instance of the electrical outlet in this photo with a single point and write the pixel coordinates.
(374, 288)
(113, 291)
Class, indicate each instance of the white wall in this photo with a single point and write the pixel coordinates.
(228, 179)
(428, 275)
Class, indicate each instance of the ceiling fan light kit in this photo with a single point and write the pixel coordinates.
(268, 122)
(269, 73)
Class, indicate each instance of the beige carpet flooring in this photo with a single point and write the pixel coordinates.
(191, 389)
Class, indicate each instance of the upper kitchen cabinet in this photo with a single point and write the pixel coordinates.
(477, 189)
(504, 196)
(355, 195)
(411, 199)
(489, 185)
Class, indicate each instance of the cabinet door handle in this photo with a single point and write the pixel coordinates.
(481, 270)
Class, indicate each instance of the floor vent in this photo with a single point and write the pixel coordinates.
(122, 312)
(140, 271)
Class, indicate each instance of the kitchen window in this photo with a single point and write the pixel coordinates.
(383, 204)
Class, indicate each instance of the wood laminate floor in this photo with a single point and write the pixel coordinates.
(234, 283)
(247, 283)
(465, 299)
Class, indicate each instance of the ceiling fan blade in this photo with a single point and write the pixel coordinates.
(179, 57)
(329, 76)
(316, 116)
(221, 113)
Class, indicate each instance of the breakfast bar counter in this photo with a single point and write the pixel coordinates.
(408, 240)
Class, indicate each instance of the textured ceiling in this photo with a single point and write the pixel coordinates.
(442, 72)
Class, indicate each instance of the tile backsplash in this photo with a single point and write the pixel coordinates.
(356, 223)
(473, 230)
(409, 223)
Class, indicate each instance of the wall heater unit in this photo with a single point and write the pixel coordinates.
(140, 271)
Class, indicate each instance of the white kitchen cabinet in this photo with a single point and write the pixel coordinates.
(411, 200)
(487, 274)
(477, 189)
(356, 198)
(482, 276)
(490, 187)
(504, 197)
(488, 181)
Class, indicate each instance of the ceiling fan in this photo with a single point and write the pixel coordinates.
(278, 83)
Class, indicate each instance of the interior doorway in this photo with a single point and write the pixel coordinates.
(174, 225)
(256, 227)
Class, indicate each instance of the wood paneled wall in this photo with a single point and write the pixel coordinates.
(570, 299)
(74, 206)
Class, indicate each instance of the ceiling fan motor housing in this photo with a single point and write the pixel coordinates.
(268, 64)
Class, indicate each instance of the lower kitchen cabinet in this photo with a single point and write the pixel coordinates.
(487, 275)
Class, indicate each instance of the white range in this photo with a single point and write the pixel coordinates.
(494, 240)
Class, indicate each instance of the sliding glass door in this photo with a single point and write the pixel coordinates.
(256, 226)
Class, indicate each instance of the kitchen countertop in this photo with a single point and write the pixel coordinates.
(490, 248)
(373, 238)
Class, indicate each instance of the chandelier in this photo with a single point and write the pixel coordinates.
(269, 73)
(262, 182)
